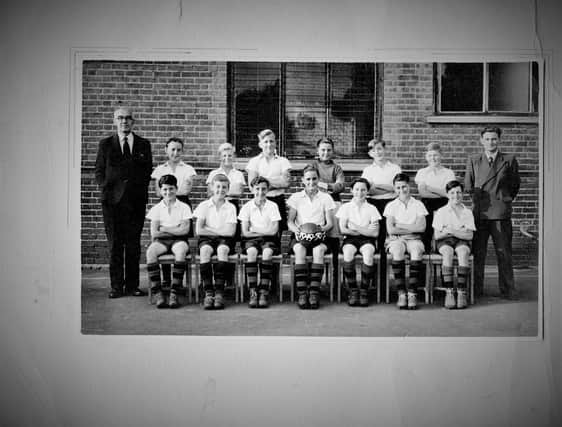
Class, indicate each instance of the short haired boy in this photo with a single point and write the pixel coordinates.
(405, 222)
(277, 170)
(215, 226)
(235, 177)
(260, 222)
(309, 206)
(359, 224)
(454, 228)
(184, 173)
(169, 226)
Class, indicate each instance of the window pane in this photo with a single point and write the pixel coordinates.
(305, 108)
(255, 95)
(461, 87)
(509, 87)
(351, 120)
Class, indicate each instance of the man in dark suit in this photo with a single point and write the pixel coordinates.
(493, 180)
(123, 168)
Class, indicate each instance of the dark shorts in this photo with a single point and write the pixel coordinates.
(359, 241)
(308, 245)
(215, 241)
(453, 242)
(261, 243)
(170, 241)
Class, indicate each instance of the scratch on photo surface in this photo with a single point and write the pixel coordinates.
(210, 396)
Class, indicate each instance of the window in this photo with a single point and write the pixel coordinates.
(492, 87)
(302, 102)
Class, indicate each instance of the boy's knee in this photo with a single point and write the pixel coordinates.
(180, 250)
(267, 253)
(348, 253)
(222, 252)
(252, 254)
(205, 253)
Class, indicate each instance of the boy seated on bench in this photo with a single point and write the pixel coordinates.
(215, 227)
(260, 222)
(454, 227)
(310, 216)
(359, 224)
(405, 224)
(169, 226)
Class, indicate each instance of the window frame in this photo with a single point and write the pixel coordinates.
(485, 111)
(280, 132)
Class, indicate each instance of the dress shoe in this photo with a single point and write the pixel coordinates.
(115, 294)
(136, 292)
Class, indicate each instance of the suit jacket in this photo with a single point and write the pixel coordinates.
(493, 188)
(116, 175)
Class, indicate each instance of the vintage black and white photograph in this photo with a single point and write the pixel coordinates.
(334, 199)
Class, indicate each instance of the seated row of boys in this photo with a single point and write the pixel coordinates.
(216, 222)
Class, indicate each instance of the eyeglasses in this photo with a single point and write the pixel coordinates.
(124, 118)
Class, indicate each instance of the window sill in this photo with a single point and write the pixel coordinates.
(482, 118)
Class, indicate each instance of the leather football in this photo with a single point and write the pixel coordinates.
(311, 233)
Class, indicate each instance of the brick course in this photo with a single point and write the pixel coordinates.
(189, 100)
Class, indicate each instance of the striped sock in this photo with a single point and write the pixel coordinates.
(316, 272)
(252, 274)
(367, 274)
(206, 276)
(266, 268)
(178, 270)
(154, 276)
(399, 271)
(463, 276)
(414, 279)
(349, 274)
(447, 273)
(221, 268)
(301, 276)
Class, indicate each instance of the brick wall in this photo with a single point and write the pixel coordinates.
(189, 100)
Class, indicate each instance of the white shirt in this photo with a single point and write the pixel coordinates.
(437, 178)
(130, 140)
(184, 173)
(272, 168)
(236, 178)
(261, 220)
(447, 216)
(172, 217)
(214, 217)
(405, 213)
(384, 174)
(361, 214)
(311, 210)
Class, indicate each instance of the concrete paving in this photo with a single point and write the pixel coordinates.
(491, 316)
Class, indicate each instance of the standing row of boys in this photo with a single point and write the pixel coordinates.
(314, 212)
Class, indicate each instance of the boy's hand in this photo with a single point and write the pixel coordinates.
(323, 186)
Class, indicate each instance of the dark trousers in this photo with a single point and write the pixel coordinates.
(501, 232)
(123, 227)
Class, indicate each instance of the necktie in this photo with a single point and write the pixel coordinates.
(490, 161)
(126, 148)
